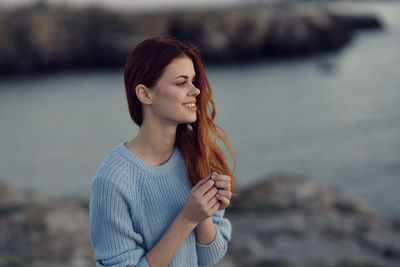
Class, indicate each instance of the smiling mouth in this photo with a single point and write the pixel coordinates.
(191, 105)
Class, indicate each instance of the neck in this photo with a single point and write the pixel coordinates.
(154, 143)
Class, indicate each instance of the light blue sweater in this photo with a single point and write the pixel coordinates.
(132, 205)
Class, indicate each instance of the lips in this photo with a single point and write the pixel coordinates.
(190, 105)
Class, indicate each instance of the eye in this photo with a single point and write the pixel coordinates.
(194, 82)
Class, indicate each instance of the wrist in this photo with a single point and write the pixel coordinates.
(206, 221)
(206, 232)
(204, 224)
(186, 221)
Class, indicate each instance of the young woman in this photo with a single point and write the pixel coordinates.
(160, 198)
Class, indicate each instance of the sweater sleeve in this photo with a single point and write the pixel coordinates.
(210, 254)
(112, 235)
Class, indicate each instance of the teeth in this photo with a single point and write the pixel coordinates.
(190, 105)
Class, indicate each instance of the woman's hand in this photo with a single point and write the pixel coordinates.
(201, 202)
(223, 184)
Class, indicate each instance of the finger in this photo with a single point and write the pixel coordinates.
(212, 202)
(215, 207)
(223, 185)
(223, 199)
(205, 187)
(202, 181)
(220, 177)
(225, 193)
(210, 194)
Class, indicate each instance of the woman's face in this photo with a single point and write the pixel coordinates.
(174, 95)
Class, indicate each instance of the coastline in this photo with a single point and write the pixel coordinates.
(280, 220)
(96, 38)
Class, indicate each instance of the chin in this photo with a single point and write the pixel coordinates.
(192, 120)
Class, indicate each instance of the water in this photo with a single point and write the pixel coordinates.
(341, 127)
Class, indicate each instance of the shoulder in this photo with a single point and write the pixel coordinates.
(113, 172)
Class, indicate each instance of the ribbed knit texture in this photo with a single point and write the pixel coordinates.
(132, 205)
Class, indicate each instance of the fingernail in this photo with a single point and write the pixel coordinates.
(213, 175)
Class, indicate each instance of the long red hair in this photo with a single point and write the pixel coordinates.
(197, 141)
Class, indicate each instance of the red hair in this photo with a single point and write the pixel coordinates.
(197, 141)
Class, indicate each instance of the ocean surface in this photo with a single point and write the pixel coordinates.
(333, 118)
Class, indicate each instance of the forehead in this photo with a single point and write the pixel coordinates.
(179, 66)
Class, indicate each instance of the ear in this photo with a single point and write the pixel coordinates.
(144, 94)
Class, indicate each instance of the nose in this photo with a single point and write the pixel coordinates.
(195, 91)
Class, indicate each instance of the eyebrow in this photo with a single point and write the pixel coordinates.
(183, 76)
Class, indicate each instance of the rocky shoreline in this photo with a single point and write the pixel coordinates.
(293, 221)
(42, 38)
(280, 221)
(39, 231)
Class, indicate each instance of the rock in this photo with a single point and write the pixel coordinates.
(295, 221)
(357, 21)
(96, 38)
(38, 231)
(280, 221)
(282, 192)
(8, 195)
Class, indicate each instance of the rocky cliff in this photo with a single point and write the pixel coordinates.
(42, 38)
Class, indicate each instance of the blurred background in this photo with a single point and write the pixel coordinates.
(305, 89)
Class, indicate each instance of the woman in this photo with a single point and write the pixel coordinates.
(160, 198)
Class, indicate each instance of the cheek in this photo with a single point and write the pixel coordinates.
(169, 102)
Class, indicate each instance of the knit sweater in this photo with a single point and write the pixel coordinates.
(132, 205)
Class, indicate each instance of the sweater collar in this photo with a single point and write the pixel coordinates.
(169, 165)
